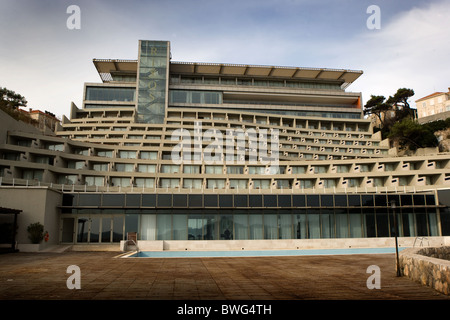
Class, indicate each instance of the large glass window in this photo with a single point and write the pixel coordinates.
(313, 224)
(82, 229)
(164, 226)
(341, 220)
(106, 229)
(148, 227)
(117, 231)
(300, 228)
(180, 227)
(255, 226)
(383, 223)
(270, 226)
(355, 223)
(226, 227)
(199, 97)
(327, 224)
(241, 226)
(110, 94)
(195, 226)
(210, 226)
(285, 226)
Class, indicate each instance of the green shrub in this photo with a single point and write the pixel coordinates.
(36, 232)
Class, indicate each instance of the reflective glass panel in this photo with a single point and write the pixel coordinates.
(240, 226)
(118, 229)
(270, 226)
(106, 229)
(180, 227)
(255, 226)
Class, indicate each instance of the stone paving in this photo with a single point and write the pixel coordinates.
(104, 276)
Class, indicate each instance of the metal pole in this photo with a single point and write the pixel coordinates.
(396, 241)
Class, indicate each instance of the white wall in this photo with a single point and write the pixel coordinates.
(38, 204)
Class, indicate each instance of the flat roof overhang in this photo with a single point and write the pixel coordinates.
(106, 67)
(9, 211)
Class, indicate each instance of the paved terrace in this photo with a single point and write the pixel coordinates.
(104, 276)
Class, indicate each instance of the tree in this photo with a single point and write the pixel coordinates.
(399, 102)
(397, 106)
(377, 106)
(400, 98)
(10, 99)
(411, 135)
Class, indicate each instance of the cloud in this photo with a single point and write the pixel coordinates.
(410, 51)
(48, 64)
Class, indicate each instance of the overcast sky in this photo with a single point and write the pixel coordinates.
(48, 63)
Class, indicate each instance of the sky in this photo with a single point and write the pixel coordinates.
(48, 63)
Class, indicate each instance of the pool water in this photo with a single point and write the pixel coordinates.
(259, 253)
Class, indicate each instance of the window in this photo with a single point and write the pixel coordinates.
(199, 97)
(44, 160)
(95, 181)
(168, 168)
(192, 183)
(261, 184)
(54, 146)
(68, 179)
(127, 154)
(298, 170)
(125, 167)
(213, 169)
(277, 170)
(256, 170)
(110, 94)
(122, 182)
(105, 153)
(169, 183)
(32, 174)
(148, 155)
(191, 169)
(145, 182)
(235, 170)
(238, 184)
(150, 168)
(215, 184)
(76, 164)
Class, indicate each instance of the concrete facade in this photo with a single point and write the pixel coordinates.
(313, 140)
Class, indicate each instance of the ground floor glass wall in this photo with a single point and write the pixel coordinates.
(362, 219)
(296, 224)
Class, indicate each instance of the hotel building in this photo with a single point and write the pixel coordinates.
(180, 151)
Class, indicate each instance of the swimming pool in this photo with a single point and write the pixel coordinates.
(259, 253)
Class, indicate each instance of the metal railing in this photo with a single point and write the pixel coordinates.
(15, 182)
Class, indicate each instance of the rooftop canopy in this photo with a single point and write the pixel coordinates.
(106, 67)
